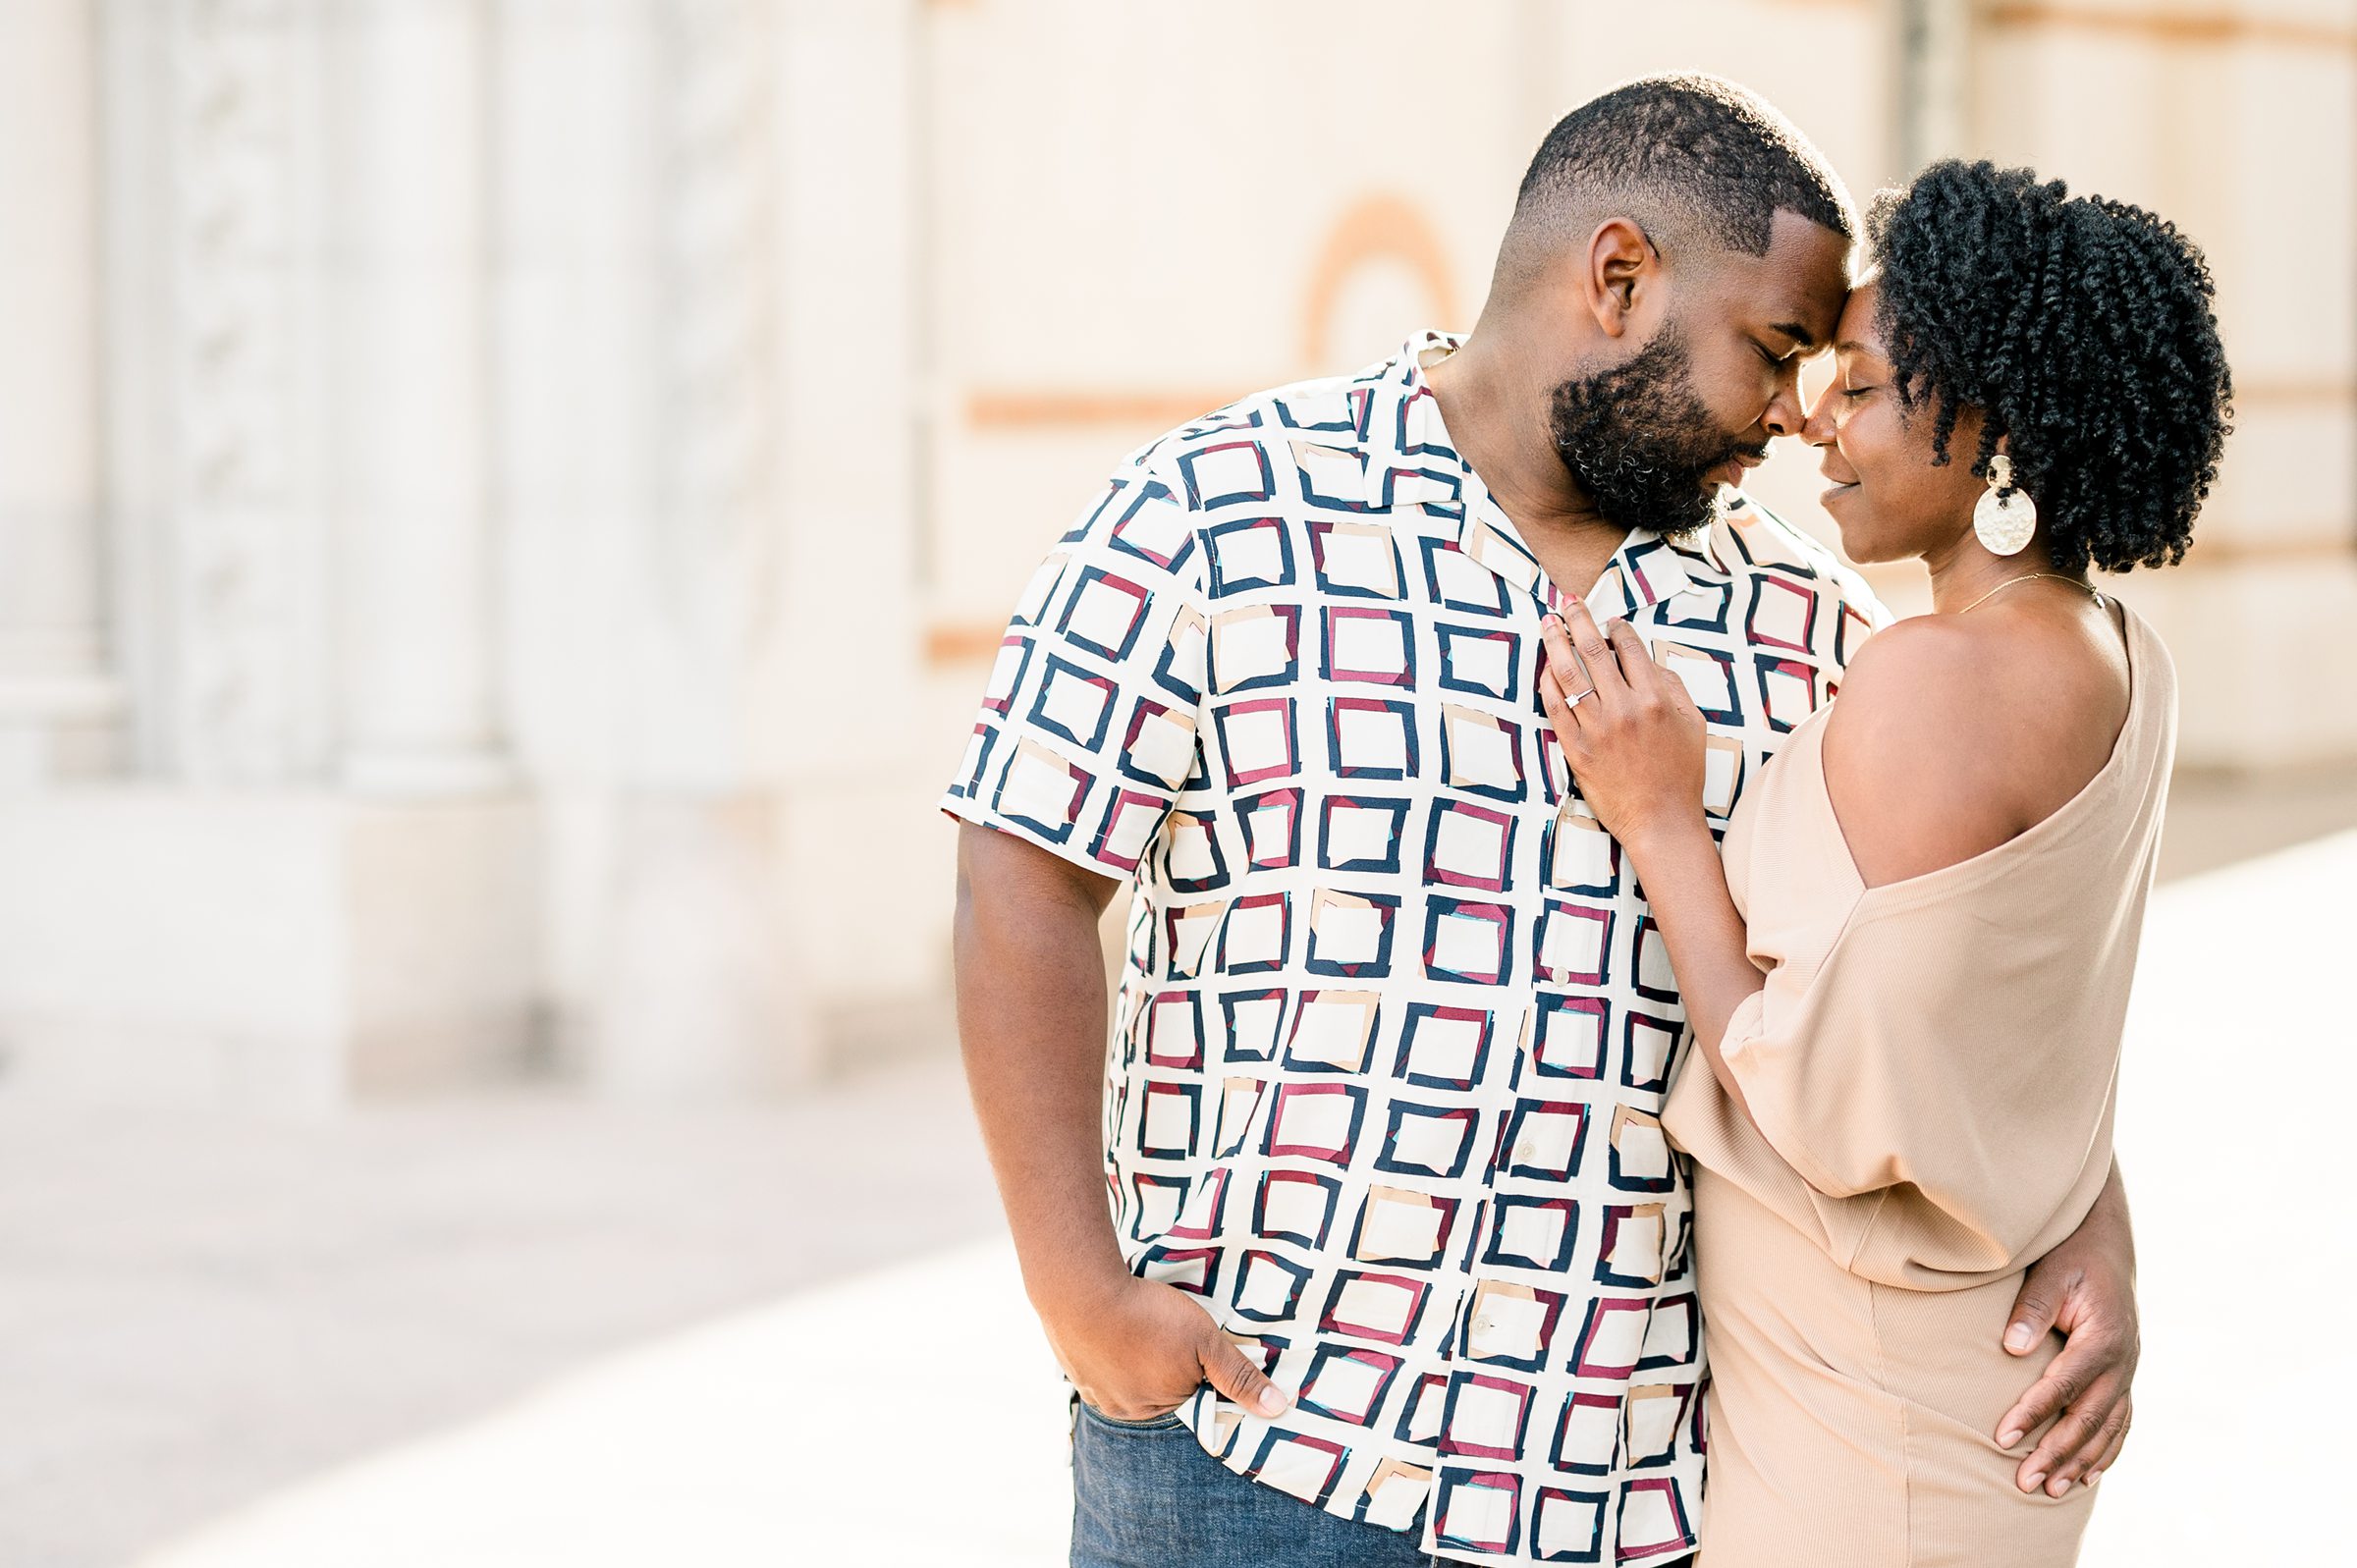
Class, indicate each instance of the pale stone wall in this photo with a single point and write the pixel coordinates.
(505, 504)
(1237, 199)
(2238, 121)
(438, 437)
(1179, 242)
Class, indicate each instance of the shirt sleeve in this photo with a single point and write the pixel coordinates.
(1087, 728)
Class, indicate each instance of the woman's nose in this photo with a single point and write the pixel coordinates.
(1817, 429)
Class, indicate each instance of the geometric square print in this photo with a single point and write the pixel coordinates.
(1393, 1022)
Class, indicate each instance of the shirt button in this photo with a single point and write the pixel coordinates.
(1481, 1326)
(1527, 1150)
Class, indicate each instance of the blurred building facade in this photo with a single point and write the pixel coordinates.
(506, 505)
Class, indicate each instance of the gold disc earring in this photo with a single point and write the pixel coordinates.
(2003, 523)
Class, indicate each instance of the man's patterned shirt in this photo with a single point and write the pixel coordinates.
(1395, 1023)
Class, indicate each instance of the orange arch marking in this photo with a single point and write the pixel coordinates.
(1379, 225)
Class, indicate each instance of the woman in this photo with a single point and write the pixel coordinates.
(1906, 985)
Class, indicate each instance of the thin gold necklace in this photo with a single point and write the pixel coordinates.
(2027, 577)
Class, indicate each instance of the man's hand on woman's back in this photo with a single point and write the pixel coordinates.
(2086, 1288)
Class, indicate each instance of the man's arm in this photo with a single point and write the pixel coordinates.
(2086, 1288)
(1031, 1023)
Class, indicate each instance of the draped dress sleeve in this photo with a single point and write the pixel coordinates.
(1931, 1065)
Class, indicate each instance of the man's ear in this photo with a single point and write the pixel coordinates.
(1621, 267)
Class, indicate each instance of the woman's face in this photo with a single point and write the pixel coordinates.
(1889, 500)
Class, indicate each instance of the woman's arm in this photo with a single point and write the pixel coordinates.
(1923, 799)
(1917, 751)
(1685, 881)
(1636, 748)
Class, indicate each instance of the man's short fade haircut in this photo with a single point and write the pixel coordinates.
(1694, 154)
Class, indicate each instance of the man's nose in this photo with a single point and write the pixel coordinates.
(1785, 416)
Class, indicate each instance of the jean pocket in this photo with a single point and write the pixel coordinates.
(1166, 1422)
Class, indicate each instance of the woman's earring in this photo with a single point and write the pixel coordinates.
(2004, 523)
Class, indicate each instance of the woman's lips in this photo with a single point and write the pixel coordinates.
(1838, 488)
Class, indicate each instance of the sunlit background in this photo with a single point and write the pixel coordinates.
(506, 507)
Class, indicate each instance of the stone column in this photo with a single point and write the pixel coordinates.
(856, 752)
(59, 704)
(412, 387)
(698, 992)
(638, 278)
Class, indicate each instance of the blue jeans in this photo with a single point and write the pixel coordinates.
(1146, 1495)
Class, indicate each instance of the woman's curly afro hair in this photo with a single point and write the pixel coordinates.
(2081, 329)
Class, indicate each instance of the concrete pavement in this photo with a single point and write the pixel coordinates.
(450, 1334)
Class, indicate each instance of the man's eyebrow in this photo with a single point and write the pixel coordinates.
(1796, 331)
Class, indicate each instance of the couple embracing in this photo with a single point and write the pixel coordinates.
(1557, 1040)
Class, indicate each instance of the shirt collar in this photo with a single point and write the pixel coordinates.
(1411, 460)
(1412, 463)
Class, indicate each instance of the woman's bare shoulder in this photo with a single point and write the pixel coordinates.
(1926, 751)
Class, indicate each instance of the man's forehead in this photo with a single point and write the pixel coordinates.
(1799, 286)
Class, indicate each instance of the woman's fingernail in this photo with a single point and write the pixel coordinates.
(2009, 1437)
(1273, 1400)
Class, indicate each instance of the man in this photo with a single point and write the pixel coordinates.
(1393, 1229)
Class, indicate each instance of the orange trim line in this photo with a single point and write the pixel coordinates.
(2181, 27)
(1375, 226)
(2295, 391)
(967, 642)
(1060, 407)
(2230, 552)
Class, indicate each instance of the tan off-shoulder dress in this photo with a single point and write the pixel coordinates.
(1931, 1065)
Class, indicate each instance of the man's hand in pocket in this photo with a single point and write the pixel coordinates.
(1139, 1348)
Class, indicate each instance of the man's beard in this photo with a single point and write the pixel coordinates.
(1639, 439)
